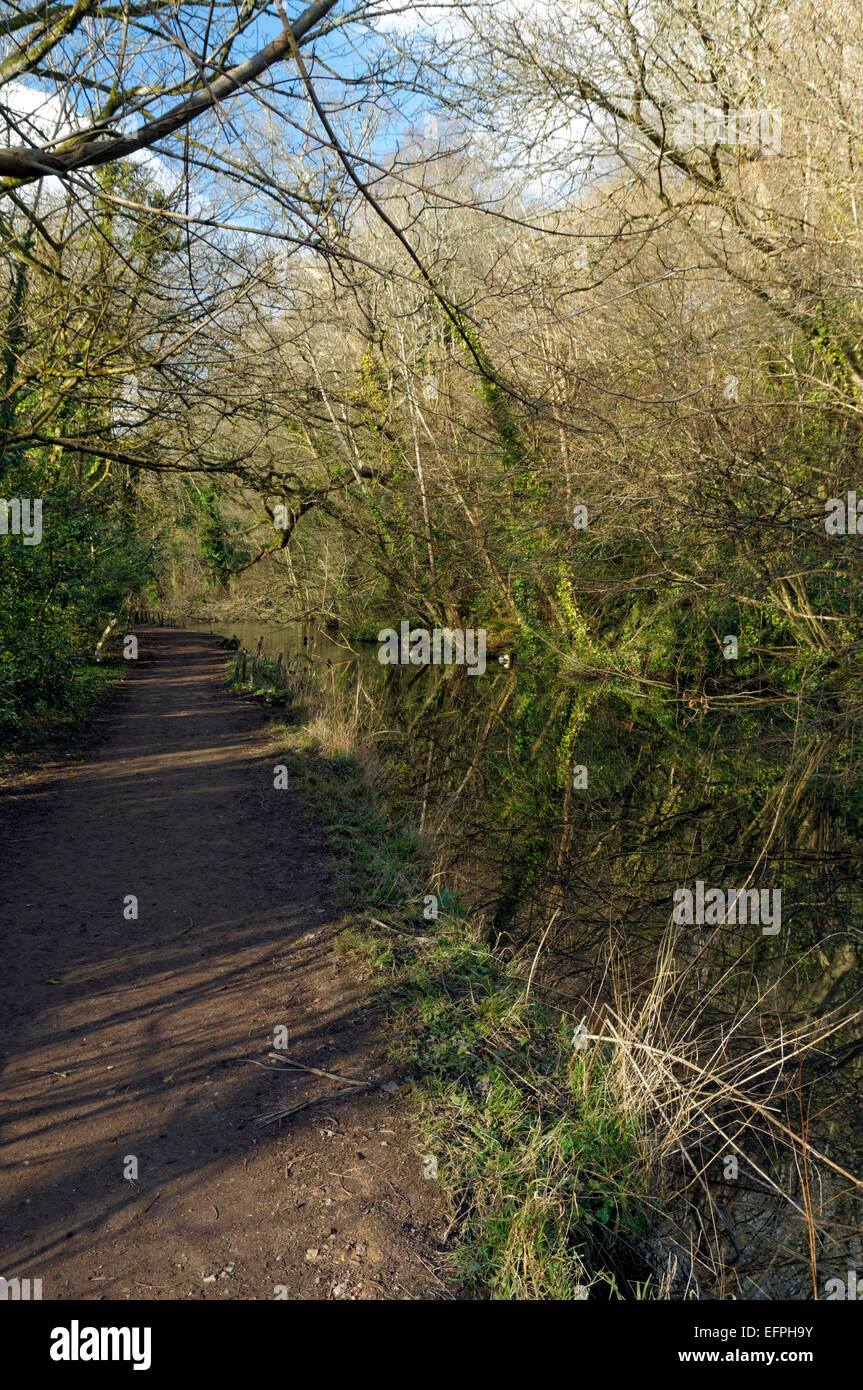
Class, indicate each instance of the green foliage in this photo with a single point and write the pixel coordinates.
(213, 545)
(57, 596)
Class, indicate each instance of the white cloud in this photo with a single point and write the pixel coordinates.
(32, 117)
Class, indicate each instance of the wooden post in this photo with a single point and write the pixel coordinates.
(279, 675)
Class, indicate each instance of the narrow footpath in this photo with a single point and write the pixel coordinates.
(137, 1051)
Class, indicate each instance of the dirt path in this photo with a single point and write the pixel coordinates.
(151, 1038)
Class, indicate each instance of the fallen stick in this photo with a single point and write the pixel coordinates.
(402, 931)
(316, 1100)
(301, 1066)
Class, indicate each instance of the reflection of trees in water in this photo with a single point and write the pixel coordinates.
(587, 875)
(576, 884)
(749, 799)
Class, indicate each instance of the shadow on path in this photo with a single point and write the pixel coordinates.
(149, 1038)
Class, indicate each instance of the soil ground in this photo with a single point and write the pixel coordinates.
(152, 1038)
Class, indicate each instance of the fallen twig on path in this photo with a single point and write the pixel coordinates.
(316, 1100)
(301, 1066)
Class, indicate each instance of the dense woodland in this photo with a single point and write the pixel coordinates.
(541, 320)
